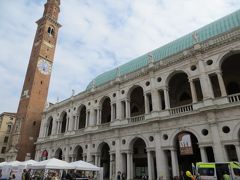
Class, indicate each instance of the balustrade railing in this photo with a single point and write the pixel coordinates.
(136, 119)
(234, 98)
(104, 125)
(181, 109)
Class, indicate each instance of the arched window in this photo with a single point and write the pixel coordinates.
(50, 31)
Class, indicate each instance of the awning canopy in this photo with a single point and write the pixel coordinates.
(82, 165)
(51, 164)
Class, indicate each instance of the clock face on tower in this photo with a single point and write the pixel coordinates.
(44, 66)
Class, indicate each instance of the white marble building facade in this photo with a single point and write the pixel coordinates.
(131, 124)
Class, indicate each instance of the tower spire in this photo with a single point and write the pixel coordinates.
(36, 84)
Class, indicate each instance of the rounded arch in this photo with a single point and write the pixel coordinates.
(226, 55)
(132, 140)
(230, 66)
(173, 73)
(59, 154)
(137, 102)
(49, 125)
(132, 88)
(82, 114)
(104, 150)
(100, 145)
(63, 121)
(105, 104)
(173, 136)
(179, 89)
(78, 153)
(236, 132)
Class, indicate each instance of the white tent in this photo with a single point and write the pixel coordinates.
(8, 167)
(21, 166)
(82, 165)
(51, 164)
(2, 164)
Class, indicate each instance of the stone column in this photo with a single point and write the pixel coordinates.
(70, 125)
(146, 102)
(155, 100)
(112, 113)
(91, 118)
(175, 168)
(221, 84)
(54, 128)
(161, 161)
(193, 91)
(203, 154)
(67, 154)
(127, 108)
(41, 134)
(238, 151)
(217, 146)
(118, 159)
(129, 166)
(98, 116)
(166, 98)
(111, 167)
(150, 165)
(119, 108)
(206, 85)
(75, 123)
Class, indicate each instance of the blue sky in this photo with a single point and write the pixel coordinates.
(97, 35)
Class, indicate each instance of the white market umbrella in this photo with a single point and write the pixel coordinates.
(25, 163)
(2, 164)
(85, 166)
(51, 164)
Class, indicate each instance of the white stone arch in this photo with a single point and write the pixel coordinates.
(129, 91)
(173, 136)
(102, 99)
(172, 73)
(224, 56)
(100, 145)
(236, 132)
(57, 153)
(48, 123)
(61, 119)
(75, 150)
(132, 140)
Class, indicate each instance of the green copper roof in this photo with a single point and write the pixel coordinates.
(218, 27)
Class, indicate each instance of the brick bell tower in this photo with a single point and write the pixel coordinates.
(35, 88)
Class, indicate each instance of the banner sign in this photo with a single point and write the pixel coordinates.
(185, 144)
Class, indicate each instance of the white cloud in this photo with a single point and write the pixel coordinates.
(96, 36)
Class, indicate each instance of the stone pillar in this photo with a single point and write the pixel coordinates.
(217, 146)
(112, 112)
(206, 85)
(193, 91)
(127, 108)
(129, 166)
(146, 102)
(91, 118)
(221, 84)
(166, 98)
(155, 100)
(238, 151)
(161, 160)
(67, 154)
(98, 116)
(111, 167)
(175, 168)
(203, 154)
(70, 124)
(150, 165)
(119, 109)
(119, 158)
(54, 128)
